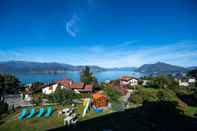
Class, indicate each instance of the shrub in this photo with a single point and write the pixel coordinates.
(136, 99)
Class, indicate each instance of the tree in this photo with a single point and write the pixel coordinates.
(9, 84)
(63, 96)
(136, 99)
(86, 76)
(37, 87)
(112, 93)
(165, 82)
(193, 73)
(1, 83)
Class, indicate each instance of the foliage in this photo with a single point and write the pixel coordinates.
(112, 93)
(63, 96)
(8, 84)
(37, 87)
(166, 95)
(189, 98)
(86, 76)
(136, 99)
(3, 106)
(37, 100)
(152, 94)
(193, 73)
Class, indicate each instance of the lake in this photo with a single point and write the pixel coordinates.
(74, 75)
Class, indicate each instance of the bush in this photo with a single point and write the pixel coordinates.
(63, 96)
(3, 107)
(136, 99)
(112, 93)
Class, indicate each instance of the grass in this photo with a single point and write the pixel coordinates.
(190, 111)
(40, 124)
(33, 124)
(150, 90)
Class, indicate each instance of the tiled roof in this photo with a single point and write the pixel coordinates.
(98, 95)
(77, 85)
(65, 83)
(88, 87)
(127, 78)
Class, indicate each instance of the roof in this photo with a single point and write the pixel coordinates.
(98, 95)
(127, 78)
(88, 87)
(65, 82)
(77, 85)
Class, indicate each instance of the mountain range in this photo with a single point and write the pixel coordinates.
(38, 67)
(161, 68)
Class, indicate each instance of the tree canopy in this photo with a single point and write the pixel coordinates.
(87, 76)
(8, 84)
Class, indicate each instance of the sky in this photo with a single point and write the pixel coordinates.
(108, 33)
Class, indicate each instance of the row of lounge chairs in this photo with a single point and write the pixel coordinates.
(25, 114)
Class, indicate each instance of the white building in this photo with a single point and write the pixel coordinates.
(28, 97)
(183, 83)
(191, 80)
(127, 80)
(146, 82)
(49, 89)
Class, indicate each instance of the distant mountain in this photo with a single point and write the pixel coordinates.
(123, 68)
(53, 67)
(37, 67)
(160, 68)
(192, 67)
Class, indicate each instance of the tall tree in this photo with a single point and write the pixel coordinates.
(86, 76)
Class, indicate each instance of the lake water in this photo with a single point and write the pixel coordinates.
(74, 75)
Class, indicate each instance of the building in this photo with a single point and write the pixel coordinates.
(49, 89)
(99, 100)
(186, 82)
(146, 82)
(67, 84)
(183, 83)
(128, 80)
(191, 80)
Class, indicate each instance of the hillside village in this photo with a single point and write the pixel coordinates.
(69, 103)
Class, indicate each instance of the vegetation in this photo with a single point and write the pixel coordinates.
(87, 76)
(63, 96)
(161, 99)
(9, 84)
(3, 107)
(37, 87)
(193, 73)
(113, 94)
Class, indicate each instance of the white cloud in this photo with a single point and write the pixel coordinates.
(181, 53)
(72, 25)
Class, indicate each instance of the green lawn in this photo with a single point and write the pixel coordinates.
(33, 124)
(39, 124)
(150, 90)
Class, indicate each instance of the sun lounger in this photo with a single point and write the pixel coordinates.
(22, 114)
(32, 113)
(49, 111)
(41, 112)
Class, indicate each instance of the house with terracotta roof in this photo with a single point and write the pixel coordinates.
(51, 88)
(128, 80)
(67, 84)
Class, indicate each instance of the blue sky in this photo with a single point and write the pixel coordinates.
(109, 33)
